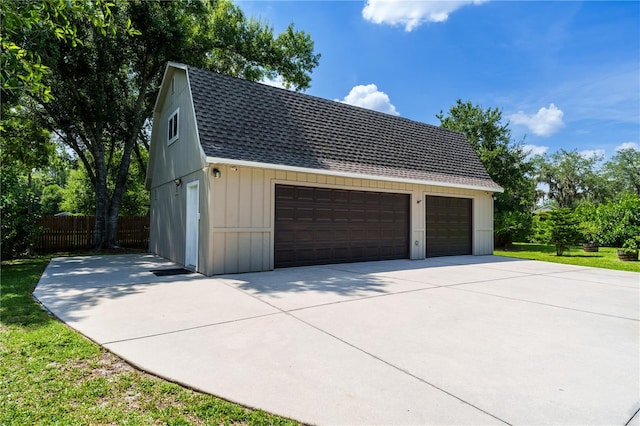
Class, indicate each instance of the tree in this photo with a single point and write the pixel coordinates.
(571, 177)
(562, 229)
(505, 161)
(21, 68)
(105, 87)
(623, 171)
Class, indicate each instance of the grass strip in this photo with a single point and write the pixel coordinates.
(605, 258)
(50, 374)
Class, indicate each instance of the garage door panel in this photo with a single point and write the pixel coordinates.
(449, 226)
(284, 236)
(285, 213)
(304, 214)
(332, 226)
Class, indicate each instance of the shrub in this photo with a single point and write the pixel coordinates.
(586, 214)
(631, 245)
(17, 207)
(618, 221)
(512, 226)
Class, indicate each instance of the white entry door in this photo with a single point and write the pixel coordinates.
(192, 219)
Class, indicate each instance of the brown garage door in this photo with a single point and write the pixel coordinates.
(315, 226)
(448, 226)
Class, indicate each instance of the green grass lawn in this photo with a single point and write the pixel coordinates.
(606, 257)
(49, 374)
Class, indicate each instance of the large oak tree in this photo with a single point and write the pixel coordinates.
(105, 85)
(571, 177)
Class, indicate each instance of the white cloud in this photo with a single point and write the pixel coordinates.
(545, 122)
(591, 153)
(535, 149)
(275, 82)
(628, 145)
(371, 98)
(411, 14)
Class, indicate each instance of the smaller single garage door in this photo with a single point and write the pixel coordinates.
(448, 226)
(315, 226)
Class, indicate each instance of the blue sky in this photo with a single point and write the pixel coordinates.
(565, 74)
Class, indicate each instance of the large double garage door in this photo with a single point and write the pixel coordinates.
(315, 226)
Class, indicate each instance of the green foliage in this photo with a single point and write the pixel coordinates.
(611, 223)
(51, 199)
(18, 229)
(562, 230)
(135, 201)
(512, 226)
(78, 196)
(248, 48)
(587, 214)
(540, 228)
(23, 23)
(24, 142)
(505, 161)
(631, 245)
(618, 221)
(571, 178)
(623, 172)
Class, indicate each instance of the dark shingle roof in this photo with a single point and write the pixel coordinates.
(243, 120)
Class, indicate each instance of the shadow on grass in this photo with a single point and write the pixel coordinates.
(19, 279)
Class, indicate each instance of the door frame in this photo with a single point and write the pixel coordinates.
(192, 222)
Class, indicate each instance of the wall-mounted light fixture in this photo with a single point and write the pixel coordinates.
(234, 168)
(216, 173)
(178, 181)
(419, 201)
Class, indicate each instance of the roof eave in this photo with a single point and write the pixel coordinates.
(244, 163)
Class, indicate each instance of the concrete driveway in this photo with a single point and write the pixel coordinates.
(457, 340)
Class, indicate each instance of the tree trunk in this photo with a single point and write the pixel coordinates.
(30, 184)
(102, 202)
(116, 199)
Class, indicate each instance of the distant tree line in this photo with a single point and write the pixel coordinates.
(586, 198)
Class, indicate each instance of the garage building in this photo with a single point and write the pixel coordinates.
(248, 177)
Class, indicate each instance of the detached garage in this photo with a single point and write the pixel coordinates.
(247, 177)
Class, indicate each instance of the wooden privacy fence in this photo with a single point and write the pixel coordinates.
(63, 233)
